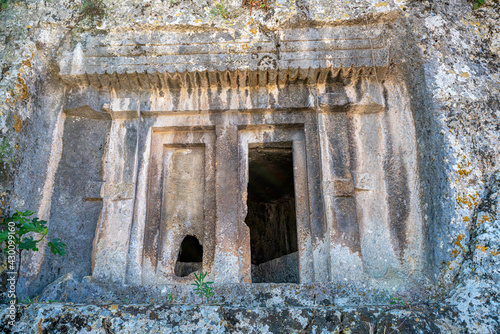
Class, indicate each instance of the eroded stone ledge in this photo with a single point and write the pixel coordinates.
(113, 318)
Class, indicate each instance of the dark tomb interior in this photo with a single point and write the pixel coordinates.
(190, 258)
(271, 214)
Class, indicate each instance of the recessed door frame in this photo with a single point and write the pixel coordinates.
(269, 134)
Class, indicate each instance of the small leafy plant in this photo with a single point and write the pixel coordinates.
(27, 300)
(3, 4)
(477, 4)
(203, 289)
(14, 238)
(170, 297)
(220, 10)
(397, 301)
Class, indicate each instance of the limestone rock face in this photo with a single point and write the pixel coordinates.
(346, 153)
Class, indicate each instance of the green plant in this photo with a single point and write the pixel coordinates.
(203, 289)
(397, 301)
(477, 4)
(170, 297)
(3, 4)
(27, 300)
(14, 238)
(92, 9)
(220, 10)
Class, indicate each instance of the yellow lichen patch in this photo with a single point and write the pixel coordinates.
(21, 88)
(253, 31)
(198, 21)
(468, 200)
(381, 4)
(17, 123)
(466, 219)
(462, 167)
(39, 328)
(481, 248)
(244, 46)
(113, 307)
(495, 252)
(454, 252)
(460, 237)
(483, 219)
(464, 75)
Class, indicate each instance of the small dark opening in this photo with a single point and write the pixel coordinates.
(271, 214)
(190, 257)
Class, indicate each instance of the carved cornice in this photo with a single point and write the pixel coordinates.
(168, 60)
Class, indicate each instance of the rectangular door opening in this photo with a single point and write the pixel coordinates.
(271, 214)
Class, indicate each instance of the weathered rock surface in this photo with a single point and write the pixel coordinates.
(58, 318)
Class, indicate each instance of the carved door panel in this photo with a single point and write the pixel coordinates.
(181, 207)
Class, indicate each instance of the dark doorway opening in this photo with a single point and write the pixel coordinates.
(190, 258)
(271, 213)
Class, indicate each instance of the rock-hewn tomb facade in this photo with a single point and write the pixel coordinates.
(319, 154)
(290, 161)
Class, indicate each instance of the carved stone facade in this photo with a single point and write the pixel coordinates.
(195, 135)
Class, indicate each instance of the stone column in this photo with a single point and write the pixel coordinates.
(338, 192)
(319, 235)
(306, 263)
(227, 226)
(337, 184)
(337, 178)
(369, 142)
(111, 242)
